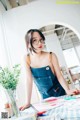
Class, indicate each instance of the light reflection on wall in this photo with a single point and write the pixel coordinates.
(71, 58)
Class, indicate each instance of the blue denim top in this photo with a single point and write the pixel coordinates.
(46, 82)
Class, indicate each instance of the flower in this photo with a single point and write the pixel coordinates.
(9, 77)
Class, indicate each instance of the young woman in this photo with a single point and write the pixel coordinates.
(44, 67)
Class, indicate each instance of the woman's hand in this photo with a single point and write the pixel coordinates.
(24, 107)
(73, 92)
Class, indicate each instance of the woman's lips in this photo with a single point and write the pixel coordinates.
(40, 47)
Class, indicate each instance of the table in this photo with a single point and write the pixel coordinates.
(69, 110)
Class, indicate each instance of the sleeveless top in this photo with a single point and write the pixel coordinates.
(46, 82)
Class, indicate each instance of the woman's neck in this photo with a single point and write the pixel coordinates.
(37, 54)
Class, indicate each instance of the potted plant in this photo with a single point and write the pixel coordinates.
(9, 79)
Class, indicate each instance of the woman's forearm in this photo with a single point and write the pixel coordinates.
(29, 92)
(64, 84)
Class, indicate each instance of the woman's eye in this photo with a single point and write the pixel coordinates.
(34, 40)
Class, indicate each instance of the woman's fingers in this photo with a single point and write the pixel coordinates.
(20, 108)
(24, 107)
(73, 92)
(76, 91)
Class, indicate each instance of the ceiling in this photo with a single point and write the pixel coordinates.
(9, 4)
(66, 36)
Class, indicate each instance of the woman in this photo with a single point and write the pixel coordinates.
(44, 67)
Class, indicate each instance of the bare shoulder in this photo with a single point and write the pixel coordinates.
(27, 59)
(54, 56)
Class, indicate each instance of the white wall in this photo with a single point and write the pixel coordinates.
(53, 45)
(35, 15)
(3, 55)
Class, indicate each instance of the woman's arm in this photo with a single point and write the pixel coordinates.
(61, 80)
(29, 83)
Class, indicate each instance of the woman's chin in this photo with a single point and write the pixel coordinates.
(39, 50)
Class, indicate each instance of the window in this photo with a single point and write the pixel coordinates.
(71, 57)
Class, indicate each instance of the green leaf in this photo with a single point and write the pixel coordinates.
(9, 77)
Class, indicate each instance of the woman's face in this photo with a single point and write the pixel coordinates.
(38, 42)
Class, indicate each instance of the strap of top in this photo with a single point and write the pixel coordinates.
(28, 59)
(50, 56)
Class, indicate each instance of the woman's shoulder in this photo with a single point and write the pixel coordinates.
(27, 58)
(51, 53)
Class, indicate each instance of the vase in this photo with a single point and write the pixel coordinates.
(12, 103)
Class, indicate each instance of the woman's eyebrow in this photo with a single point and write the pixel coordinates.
(34, 37)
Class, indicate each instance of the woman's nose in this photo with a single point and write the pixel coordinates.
(39, 42)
